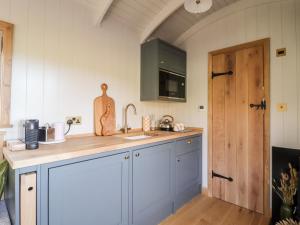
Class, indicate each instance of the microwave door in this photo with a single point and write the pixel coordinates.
(171, 85)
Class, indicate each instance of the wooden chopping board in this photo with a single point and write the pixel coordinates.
(104, 114)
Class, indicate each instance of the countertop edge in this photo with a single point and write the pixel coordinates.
(18, 164)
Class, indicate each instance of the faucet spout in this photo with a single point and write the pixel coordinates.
(126, 113)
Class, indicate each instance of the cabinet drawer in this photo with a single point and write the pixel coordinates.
(188, 144)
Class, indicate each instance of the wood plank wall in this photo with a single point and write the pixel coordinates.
(51, 64)
(277, 19)
(60, 59)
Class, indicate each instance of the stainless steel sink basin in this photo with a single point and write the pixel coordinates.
(137, 137)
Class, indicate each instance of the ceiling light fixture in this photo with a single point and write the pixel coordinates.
(197, 6)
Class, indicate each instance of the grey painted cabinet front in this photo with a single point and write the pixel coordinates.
(152, 185)
(92, 192)
(114, 189)
(172, 58)
(187, 170)
(155, 55)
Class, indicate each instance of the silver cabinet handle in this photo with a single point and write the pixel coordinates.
(189, 142)
(137, 155)
(127, 157)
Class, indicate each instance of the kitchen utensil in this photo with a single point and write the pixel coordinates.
(166, 123)
(104, 114)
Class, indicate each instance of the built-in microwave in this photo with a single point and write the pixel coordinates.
(172, 86)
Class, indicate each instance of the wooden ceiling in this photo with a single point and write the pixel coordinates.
(135, 14)
(181, 20)
(165, 19)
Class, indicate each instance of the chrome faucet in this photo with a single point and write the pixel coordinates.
(125, 129)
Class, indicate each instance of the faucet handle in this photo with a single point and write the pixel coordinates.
(123, 129)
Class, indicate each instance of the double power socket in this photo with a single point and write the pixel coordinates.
(77, 120)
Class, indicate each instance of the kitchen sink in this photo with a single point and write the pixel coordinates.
(137, 137)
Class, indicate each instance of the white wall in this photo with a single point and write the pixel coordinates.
(243, 22)
(60, 59)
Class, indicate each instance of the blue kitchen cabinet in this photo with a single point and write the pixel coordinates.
(138, 186)
(88, 192)
(152, 184)
(188, 171)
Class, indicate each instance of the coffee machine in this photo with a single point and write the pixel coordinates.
(29, 133)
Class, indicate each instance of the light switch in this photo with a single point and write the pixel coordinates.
(281, 107)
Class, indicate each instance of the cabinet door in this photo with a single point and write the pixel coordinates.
(172, 59)
(93, 192)
(152, 185)
(187, 170)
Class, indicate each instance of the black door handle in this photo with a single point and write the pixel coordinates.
(221, 176)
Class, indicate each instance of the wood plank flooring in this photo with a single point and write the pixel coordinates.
(203, 210)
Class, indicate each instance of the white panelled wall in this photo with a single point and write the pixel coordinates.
(243, 22)
(60, 59)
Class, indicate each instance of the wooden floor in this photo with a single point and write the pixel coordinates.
(203, 210)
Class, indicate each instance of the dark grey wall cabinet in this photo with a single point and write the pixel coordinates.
(155, 55)
(135, 186)
(152, 186)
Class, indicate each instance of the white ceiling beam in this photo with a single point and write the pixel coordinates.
(102, 10)
(168, 9)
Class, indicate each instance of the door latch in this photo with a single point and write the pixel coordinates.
(221, 176)
(262, 105)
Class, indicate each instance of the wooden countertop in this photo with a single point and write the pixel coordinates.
(84, 146)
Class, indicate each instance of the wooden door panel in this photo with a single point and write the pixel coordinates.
(230, 130)
(242, 128)
(218, 125)
(237, 129)
(255, 134)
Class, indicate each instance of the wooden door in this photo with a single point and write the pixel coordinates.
(238, 127)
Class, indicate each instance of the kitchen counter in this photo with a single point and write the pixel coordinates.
(84, 146)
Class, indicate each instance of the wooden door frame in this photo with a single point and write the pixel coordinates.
(265, 43)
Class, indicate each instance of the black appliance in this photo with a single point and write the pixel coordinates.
(172, 86)
(30, 134)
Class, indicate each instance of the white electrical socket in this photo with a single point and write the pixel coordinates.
(76, 120)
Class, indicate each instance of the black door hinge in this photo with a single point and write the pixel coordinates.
(221, 176)
(229, 73)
